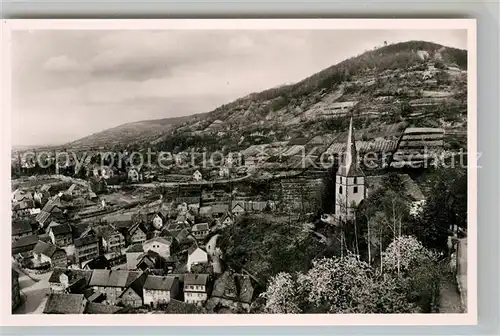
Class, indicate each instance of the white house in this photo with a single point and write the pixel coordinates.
(350, 180)
(159, 245)
(227, 220)
(157, 222)
(196, 256)
(133, 174)
(160, 289)
(200, 230)
(224, 171)
(197, 176)
(195, 288)
(237, 209)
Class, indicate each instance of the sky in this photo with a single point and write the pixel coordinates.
(70, 84)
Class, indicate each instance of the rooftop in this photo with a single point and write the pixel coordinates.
(21, 227)
(45, 249)
(159, 282)
(195, 279)
(59, 303)
(112, 278)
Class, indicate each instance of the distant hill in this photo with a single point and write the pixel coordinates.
(134, 132)
(379, 87)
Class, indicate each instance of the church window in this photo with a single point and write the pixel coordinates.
(355, 180)
(355, 190)
(340, 189)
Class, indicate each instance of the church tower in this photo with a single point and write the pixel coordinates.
(349, 180)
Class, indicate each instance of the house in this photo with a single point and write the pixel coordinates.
(45, 253)
(237, 210)
(159, 290)
(61, 303)
(101, 262)
(21, 228)
(60, 234)
(86, 248)
(21, 195)
(137, 234)
(112, 283)
(224, 172)
(184, 237)
(196, 256)
(200, 231)
(61, 278)
(111, 239)
(24, 244)
(133, 295)
(227, 220)
(24, 208)
(160, 245)
(132, 253)
(50, 210)
(134, 174)
(16, 292)
(158, 221)
(195, 288)
(232, 291)
(197, 176)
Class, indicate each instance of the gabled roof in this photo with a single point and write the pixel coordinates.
(226, 216)
(21, 227)
(137, 285)
(195, 279)
(238, 206)
(193, 248)
(164, 283)
(101, 262)
(135, 248)
(106, 231)
(59, 303)
(72, 274)
(182, 236)
(113, 278)
(25, 241)
(60, 229)
(162, 240)
(91, 239)
(46, 249)
(137, 226)
(200, 227)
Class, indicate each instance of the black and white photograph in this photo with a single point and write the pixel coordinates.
(242, 167)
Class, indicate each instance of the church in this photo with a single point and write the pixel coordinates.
(350, 184)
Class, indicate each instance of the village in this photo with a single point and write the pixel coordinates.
(107, 238)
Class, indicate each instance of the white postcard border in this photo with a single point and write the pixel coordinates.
(469, 318)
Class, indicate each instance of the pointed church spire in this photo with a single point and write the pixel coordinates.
(349, 164)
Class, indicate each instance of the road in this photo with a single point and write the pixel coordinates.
(33, 291)
(211, 250)
(175, 184)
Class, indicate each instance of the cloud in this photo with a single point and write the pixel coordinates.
(74, 83)
(61, 63)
